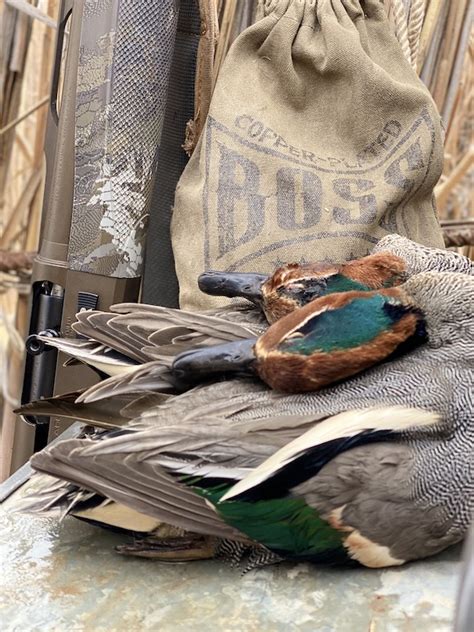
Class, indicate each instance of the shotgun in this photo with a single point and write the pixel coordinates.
(102, 146)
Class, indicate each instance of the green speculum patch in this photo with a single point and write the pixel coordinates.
(285, 525)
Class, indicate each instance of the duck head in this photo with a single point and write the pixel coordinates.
(294, 285)
(327, 340)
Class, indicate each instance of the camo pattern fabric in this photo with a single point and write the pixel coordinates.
(320, 140)
(124, 62)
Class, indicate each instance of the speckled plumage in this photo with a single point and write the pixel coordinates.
(420, 258)
(404, 497)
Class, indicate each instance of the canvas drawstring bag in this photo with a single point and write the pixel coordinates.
(320, 140)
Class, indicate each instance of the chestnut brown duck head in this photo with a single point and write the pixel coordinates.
(294, 285)
(393, 260)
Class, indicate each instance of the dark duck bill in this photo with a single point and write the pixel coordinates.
(237, 358)
(232, 284)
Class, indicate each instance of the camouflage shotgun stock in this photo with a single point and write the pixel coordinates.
(101, 158)
(125, 58)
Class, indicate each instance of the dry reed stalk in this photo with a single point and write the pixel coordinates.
(430, 23)
(458, 65)
(454, 192)
(24, 171)
(11, 34)
(429, 68)
(29, 9)
(447, 52)
(16, 222)
(455, 177)
(24, 115)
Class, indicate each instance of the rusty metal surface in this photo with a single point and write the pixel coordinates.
(59, 577)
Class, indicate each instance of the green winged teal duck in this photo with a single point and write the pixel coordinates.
(114, 342)
(393, 260)
(323, 342)
(376, 470)
(294, 285)
(136, 343)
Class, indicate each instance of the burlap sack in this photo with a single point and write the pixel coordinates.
(320, 140)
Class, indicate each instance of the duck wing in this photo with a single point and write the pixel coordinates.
(273, 419)
(325, 440)
(111, 412)
(115, 342)
(130, 472)
(345, 489)
(142, 466)
(169, 471)
(145, 378)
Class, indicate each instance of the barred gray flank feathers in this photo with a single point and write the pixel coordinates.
(438, 493)
(422, 258)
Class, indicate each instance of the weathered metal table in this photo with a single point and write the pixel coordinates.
(67, 577)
